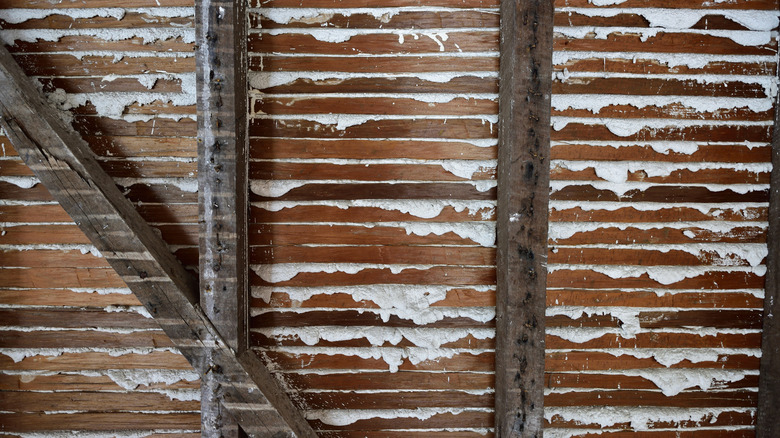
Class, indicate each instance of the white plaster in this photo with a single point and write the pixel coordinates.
(617, 171)
(672, 356)
(412, 302)
(483, 233)
(131, 379)
(620, 189)
(640, 418)
(422, 208)
(674, 381)
(343, 417)
(189, 185)
(564, 230)
(700, 104)
(148, 35)
(665, 275)
(24, 182)
(431, 338)
(747, 209)
(690, 60)
(281, 272)
(263, 80)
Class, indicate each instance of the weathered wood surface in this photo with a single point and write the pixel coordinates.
(769, 382)
(65, 165)
(523, 184)
(222, 189)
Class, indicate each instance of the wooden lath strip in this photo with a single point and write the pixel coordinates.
(767, 425)
(65, 165)
(222, 188)
(525, 87)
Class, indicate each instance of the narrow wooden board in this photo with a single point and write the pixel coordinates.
(769, 382)
(222, 190)
(523, 184)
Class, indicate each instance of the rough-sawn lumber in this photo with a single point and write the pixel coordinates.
(525, 83)
(66, 166)
(767, 425)
(222, 189)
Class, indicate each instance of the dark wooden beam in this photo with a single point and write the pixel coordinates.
(64, 163)
(767, 425)
(525, 86)
(222, 188)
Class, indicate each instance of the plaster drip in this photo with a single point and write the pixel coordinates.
(141, 310)
(23, 182)
(381, 14)
(411, 302)
(84, 249)
(745, 209)
(102, 291)
(700, 104)
(263, 80)
(659, 146)
(342, 35)
(460, 168)
(344, 417)
(617, 171)
(747, 38)
(768, 82)
(278, 188)
(620, 189)
(281, 272)
(189, 185)
(394, 357)
(684, 18)
(672, 356)
(673, 381)
(19, 354)
(113, 104)
(671, 60)
(640, 418)
(148, 35)
(430, 338)
(101, 434)
(20, 15)
(565, 230)
(629, 127)
(664, 275)
(724, 254)
(467, 98)
(341, 122)
(422, 208)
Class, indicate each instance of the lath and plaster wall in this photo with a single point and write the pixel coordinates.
(660, 173)
(373, 144)
(77, 352)
(373, 157)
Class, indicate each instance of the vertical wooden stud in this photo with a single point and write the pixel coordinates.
(767, 425)
(222, 188)
(525, 81)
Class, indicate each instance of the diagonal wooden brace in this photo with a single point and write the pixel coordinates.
(63, 162)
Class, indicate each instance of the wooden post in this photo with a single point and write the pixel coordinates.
(767, 425)
(64, 163)
(222, 188)
(525, 82)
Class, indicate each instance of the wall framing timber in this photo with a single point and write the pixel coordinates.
(222, 187)
(64, 163)
(769, 378)
(525, 83)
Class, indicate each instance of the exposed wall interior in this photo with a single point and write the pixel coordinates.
(660, 146)
(372, 234)
(373, 145)
(77, 352)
